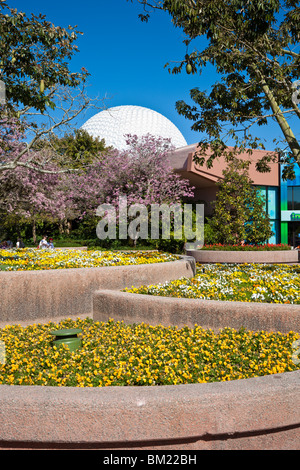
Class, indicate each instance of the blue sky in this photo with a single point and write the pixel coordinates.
(126, 57)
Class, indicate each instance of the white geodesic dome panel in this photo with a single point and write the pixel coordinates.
(114, 123)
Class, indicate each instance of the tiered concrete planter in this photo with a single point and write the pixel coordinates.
(214, 256)
(258, 413)
(155, 310)
(42, 295)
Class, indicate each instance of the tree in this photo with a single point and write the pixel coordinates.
(34, 196)
(142, 173)
(29, 196)
(253, 47)
(36, 80)
(76, 149)
(239, 213)
(34, 58)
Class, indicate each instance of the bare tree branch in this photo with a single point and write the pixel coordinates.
(69, 106)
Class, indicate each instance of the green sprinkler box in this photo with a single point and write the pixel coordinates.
(68, 337)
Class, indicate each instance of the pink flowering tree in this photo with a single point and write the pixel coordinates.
(142, 173)
(26, 194)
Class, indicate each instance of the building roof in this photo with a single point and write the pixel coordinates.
(182, 162)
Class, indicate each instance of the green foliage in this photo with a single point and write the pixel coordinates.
(210, 235)
(74, 150)
(80, 148)
(171, 245)
(34, 58)
(239, 213)
(254, 48)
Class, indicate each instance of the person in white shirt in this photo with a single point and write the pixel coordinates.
(43, 243)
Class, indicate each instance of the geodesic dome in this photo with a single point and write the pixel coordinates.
(114, 123)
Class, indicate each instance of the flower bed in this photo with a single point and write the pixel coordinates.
(265, 247)
(240, 254)
(113, 353)
(36, 259)
(244, 282)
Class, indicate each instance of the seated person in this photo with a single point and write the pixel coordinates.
(20, 243)
(43, 243)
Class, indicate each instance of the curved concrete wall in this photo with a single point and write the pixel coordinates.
(260, 413)
(135, 308)
(212, 256)
(32, 295)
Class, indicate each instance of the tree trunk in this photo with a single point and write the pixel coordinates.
(60, 227)
(287, 131)
(68, 226)
(34, 231)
